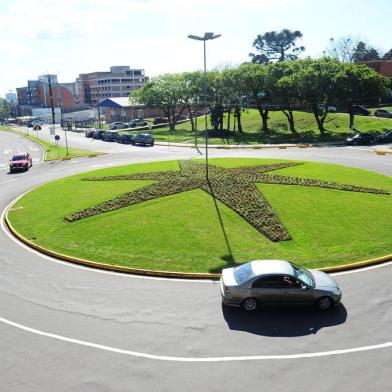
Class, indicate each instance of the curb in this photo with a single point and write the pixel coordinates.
(242, 146)
(166, 274)
(383, 151)
(252, 146)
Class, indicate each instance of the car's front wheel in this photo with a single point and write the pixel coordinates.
(324, 303)
(249, 304)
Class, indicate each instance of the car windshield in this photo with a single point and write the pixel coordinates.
(19, 158)
(243, 273)
(304, 275)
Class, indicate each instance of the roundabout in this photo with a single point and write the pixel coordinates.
(76, 328)
(173, 220)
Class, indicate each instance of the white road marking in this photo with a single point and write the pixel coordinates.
(34, 149)
(7, 151)
(192, 359)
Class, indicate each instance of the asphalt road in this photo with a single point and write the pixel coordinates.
(67, 328)
(11, 144)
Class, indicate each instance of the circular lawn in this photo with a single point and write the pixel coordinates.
(166, 216)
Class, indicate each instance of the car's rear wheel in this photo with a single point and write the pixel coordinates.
(249, 304)
(324, 303)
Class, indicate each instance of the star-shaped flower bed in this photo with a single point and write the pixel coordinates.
(234, 187)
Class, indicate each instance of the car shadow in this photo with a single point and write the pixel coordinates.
(283, 321)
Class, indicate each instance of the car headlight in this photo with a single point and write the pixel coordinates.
(336, 291)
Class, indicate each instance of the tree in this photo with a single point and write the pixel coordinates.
(387, 55)
(4, 108)
(342, 48)
(166, 91)
(316, 79)
(235, 95)
(285, 89)
(256, 84)
(357, 84)
(363, 53)
(276, 46)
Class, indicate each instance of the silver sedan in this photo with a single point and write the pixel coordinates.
(275, 282)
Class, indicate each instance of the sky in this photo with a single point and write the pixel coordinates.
(79, 36)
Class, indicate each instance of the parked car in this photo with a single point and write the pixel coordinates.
(277, 282)
(361, 110)
(383, 113)
(180, 117)
(385, 137)
(330, 108)
(118, 125)
(125, 139)
(160, 120)
(143, 139)
(109, 136)
(360, 139)
(137, 122)
(89, 132)
(98, 133)
(21, 162)
(33, 123)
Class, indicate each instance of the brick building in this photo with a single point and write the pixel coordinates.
(383, 67)
(36, 93)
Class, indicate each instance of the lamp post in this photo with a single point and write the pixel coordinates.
(206, 37)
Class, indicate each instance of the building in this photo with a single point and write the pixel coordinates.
(37, 94)
(120, 81)
(383, 67)
(120, 109)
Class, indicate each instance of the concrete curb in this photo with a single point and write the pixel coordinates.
(251, 146)
(165, 274)
(233, 147)
(383, 151)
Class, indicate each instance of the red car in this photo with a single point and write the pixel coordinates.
(21, 162)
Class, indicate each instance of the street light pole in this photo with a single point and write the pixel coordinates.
(206, 37)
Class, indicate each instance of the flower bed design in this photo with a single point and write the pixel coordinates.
(235, 187)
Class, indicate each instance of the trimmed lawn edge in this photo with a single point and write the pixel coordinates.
(158, 273)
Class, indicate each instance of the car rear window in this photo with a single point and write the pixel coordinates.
(19, 158)
(243, 273)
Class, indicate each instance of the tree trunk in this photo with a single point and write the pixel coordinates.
(320, 122)
(228, 119)
(191, 117)
(169, 112)
(237, 114)
(290, 118)
(351, 114)
(215, 116)
(264, 119)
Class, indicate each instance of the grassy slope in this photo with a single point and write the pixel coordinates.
(336, 125)
(52, 151)
(183, 232)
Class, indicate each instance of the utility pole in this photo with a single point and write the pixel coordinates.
(51, 104)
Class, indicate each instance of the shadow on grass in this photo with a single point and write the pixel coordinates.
(229, 257)
(283, 321)
(273, 136)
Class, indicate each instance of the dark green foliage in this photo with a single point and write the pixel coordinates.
(276, 46)
(235, 187)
